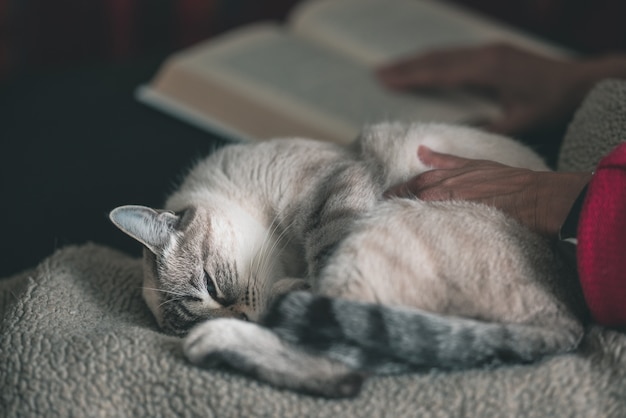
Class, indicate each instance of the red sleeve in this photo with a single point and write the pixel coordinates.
(601, 251)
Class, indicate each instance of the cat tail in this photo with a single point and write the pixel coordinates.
(326, 347)
(382, 339)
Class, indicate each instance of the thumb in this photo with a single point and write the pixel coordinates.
(439, 160)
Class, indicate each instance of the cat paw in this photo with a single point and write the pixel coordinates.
(258, 352)
(209, 343)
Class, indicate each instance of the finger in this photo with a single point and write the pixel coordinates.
(411, 187)
(414, 186)
(435, 194)
(399, 190)
(433, 69)
(440, 160)
(473, 66)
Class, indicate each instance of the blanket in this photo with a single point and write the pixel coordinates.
(77, 340)
(599, 125)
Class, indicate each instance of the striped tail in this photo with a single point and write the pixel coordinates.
(383, 339)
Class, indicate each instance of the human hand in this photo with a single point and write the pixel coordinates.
(534, 91)
(539, 199)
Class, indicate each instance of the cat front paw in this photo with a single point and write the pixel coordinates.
(209, 344)
(256, 351)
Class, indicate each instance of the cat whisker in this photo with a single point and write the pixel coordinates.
(267, 257)
(261, 257)
(256, 261)
(269, 240)
(169, 300)
(169, 292)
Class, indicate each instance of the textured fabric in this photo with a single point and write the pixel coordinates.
(602, 241)
(77, 340)
(599, 125)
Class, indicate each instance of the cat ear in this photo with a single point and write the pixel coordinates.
(148, 226)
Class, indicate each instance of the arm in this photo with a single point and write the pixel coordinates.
(601, 250)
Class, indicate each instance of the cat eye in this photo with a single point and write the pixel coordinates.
(210, 285)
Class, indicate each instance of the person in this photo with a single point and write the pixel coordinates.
(535, 92)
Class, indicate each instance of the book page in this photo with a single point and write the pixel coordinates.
(314, 85)
(379, 31)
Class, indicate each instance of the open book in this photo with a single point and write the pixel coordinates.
(314, 76)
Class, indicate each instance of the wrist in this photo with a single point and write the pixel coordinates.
(561, 195)
(593, 70)
(569, 228)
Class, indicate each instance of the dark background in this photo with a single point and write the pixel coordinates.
(74, 143)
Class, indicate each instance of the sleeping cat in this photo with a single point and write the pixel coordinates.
(312, 281)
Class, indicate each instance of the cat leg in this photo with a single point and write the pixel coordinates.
(256, 351)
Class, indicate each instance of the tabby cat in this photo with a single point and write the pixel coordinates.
(282, 260)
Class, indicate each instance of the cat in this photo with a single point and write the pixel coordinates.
(282, 260)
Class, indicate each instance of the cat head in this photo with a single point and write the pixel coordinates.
(203, 263)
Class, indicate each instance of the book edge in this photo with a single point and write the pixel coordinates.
(170, 106)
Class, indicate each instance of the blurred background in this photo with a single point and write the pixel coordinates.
(74, 143)
(42, 34)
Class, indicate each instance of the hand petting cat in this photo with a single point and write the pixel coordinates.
(535, 91)
(539, 199)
